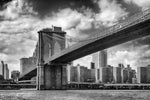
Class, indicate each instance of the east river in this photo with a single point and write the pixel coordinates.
(75, 95)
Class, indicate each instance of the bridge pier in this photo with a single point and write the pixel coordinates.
(52, 77)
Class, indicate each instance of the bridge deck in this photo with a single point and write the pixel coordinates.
(130, 29)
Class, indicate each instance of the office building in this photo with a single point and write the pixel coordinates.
(100, 60)
(6, 71)
(141, 74)
(117, 74)
(132, 74)
(80, 74)
(83, 74)
(147, 74)
(124, 75)
(73, 74)
(15, 75)
(26, 64)
(92, 73)
(106, 74)
(2, 68)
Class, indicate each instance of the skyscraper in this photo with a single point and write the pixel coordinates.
(6, 71)
(100, 61)
(141, 74)
(27, 64)
(2, 68)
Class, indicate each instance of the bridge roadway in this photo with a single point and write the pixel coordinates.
(132, 28)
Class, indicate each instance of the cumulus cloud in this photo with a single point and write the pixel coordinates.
(15, 9)
(21, 21)
(111, 12)
(86, 61)
(70, 20)
(125, 57)
(76, 22)
(43, 7)
(141, 3)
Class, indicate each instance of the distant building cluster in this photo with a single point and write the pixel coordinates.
(80, 74)
(100, 72)
(108, 74)
(4, 71)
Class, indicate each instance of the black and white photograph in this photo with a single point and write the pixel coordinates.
(74, 49)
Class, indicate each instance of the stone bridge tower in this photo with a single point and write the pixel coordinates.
(51, 42)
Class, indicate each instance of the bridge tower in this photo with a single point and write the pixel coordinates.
(50, 75)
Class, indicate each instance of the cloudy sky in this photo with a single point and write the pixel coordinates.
(21, 19)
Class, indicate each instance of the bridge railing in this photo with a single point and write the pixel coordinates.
(133, 20)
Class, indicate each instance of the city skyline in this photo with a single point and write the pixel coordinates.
(20, 21)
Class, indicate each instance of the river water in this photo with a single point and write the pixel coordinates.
(75, 95)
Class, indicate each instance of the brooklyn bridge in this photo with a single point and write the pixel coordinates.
(53, 55)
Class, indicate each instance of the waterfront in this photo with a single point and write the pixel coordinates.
(75, 95)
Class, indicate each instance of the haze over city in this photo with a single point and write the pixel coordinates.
(20, 21)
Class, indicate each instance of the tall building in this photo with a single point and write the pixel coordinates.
(106, 74)
(103, 58)
(27, 64)
(147, 74)
(141, 74)
(100, 61)
(15, 75)
(2, 68)
(83, 73)
(73, 74)
(6, 71)
(93, 77)
(125, 75)
(117, 74)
